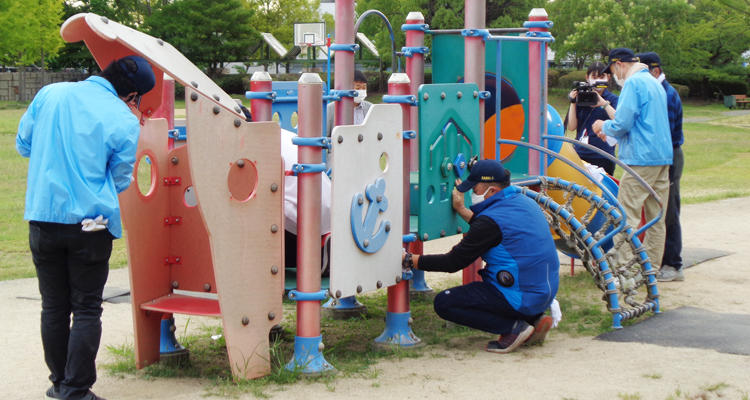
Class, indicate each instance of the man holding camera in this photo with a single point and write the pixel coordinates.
(641, 127)
(520, 280)
(672, 261)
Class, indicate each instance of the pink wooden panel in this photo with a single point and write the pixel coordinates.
(180, 304)
(189, 239)
(246, 236)
(148, 241)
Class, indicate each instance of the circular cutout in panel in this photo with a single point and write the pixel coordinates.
(294, 119)
(189, 197)
(145, 172)
(276, 117)
(242, 180)
(430, 194)
(384, 162)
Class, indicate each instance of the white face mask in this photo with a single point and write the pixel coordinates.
(619, 81)
(361, 94)
(478, 198)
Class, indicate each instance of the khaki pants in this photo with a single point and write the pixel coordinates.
(633, 197)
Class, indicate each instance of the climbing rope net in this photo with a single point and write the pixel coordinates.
(619, 276)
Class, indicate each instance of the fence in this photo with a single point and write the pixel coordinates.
(23, 86)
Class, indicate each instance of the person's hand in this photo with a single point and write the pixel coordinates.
(572, 96)
(597, 127)
(599, 100)
(457, 198)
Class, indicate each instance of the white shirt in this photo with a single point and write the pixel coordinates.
(289, 153)
(359, 114)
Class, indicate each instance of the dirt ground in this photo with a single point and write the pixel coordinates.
(564, 368)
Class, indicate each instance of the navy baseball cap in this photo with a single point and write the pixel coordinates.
(143, 76)
(621, 54)
(484, 171)
(651, 59)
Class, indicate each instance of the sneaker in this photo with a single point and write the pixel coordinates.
(541, 326)
(91, 396)
(668, 273)
(509, 342)
(52, 394)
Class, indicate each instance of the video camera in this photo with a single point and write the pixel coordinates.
(586, 95)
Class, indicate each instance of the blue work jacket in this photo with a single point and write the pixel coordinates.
(527, 252)
(81, 139)
(641, 124)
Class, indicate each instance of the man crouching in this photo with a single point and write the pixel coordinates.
(521, 276)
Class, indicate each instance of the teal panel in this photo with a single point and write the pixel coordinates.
(448, 128)
(448, 67)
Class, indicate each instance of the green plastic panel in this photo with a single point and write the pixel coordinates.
(448, 133)
(448, 67)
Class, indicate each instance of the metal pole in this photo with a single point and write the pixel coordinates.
(474, 18)
(344, 66)
(308, 341)
(398, 318)
(415, 71)
(261, 109)
(536, 114)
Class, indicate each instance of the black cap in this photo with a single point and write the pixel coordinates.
(651, 59)
(143, 76)
(621, 54)
(484, 171)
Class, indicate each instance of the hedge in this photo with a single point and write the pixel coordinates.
(682, 90)
(566, 81)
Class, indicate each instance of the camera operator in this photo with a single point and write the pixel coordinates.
(580, 116)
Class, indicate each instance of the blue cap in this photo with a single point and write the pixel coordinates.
(651, 59)
(621, 54)
(143, 76)
(484, 171)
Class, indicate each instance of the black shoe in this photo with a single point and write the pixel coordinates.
(91, 396)
(511, 341)
(52, 394)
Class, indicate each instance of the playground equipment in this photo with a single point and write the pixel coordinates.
(220, 253)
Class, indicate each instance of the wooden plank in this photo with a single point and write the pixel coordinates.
(148, 240)
(246, 235)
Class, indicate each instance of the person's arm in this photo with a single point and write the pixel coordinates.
(458, 204)
(483, 235)
(605, 105)
(573, 112)
(121, 162)
(675, 114)
(25, 130)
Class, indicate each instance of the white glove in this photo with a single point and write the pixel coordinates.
(93, 225)
(556, 313)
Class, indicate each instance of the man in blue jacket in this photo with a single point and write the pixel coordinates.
(641, 127)
(671, 264)
(520, 280)
(81, 139)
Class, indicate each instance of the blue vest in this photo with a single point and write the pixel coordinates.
(524, 266)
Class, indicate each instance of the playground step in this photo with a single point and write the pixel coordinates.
(181, 304)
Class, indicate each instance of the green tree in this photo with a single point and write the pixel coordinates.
(30, 31)
(208, 32)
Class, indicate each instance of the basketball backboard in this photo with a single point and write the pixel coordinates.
(310, 33)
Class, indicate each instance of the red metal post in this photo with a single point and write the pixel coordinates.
(537, 114)
(308, 209)
(415, 72)
(261, 109)
(166, 109)
(398, 295)
(344, 67)
(474, 55)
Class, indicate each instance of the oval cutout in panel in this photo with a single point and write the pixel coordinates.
(189, 197)
(242, 180)
(145, 174)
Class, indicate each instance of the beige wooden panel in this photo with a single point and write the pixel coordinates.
(108, 40)
(246, 235)
(148, 240)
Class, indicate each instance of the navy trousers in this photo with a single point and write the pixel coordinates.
(72, 267)
(673, 242)
(479, 305)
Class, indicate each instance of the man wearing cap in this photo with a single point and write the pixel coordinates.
(641, 127)
(671, 263)
(81, 139)
(520, 280)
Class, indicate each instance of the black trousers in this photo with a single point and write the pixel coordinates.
(479, 305)
(72, 267)
(673, 242)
